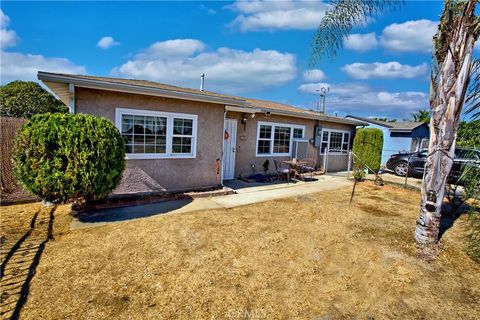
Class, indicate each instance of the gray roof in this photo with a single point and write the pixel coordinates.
(393, 126)
(193, 94)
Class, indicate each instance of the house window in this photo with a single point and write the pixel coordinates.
(337, 141)
(154, 134)
(264, 139)
(277, 138)
(281, 140)
(297, 133)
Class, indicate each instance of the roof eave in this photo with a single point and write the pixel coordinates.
(121, 87)
(320, 117)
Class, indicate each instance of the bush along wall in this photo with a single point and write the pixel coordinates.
(69, 156)
(367, 147)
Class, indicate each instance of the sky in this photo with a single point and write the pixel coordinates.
(256, 49)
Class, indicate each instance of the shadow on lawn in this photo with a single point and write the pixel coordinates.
(131, 212)
(448, 220)
(20, 264)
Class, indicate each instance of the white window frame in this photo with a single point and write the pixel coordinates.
(273, 125)
(119, 112)
(328, 141)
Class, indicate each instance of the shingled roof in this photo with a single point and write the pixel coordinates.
(393, 126)
(149, 87)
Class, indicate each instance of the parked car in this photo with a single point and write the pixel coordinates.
(401, 165)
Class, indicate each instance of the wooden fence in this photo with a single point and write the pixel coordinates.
(8, 130)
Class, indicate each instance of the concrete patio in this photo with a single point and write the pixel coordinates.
(246, 193)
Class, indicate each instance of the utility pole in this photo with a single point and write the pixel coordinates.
(323, 94)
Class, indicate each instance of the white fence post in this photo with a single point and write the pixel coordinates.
(349, 165)
(325, 160)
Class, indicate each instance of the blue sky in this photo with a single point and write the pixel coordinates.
(256, 49)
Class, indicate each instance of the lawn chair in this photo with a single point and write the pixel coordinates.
(282, 170)
(309, 167)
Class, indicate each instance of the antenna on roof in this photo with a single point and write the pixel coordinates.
(202, 81)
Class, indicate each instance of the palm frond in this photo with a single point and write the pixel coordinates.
(338, 21)
(472, 102)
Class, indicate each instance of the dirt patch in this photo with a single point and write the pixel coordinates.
(294, 258)
(377, 211)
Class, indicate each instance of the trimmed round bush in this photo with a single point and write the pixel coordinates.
(367, 147)
(68, 156)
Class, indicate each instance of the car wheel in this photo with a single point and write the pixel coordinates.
(401, 169)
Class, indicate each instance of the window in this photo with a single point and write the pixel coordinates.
(153, 134)
(297, 133)
(337, 141)
(277, 138)
(264, 139)
(182, 135)
(281, 140)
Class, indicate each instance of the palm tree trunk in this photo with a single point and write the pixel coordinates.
(448, 87)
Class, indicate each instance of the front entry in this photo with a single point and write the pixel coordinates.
(229, 146)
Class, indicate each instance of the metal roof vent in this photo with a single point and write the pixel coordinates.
(202, 81)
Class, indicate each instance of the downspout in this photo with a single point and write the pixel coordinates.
(223, 144)
(71, 91)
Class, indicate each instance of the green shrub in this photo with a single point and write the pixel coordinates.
(65, 156)
(24, 99)
(367, 147)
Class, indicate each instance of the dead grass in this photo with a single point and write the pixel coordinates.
(14, 222)
(311, 257)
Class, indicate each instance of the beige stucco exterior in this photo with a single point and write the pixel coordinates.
(172, 174)
(203, 170)
(246, 142)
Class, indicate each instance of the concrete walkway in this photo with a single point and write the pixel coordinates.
(245, 195)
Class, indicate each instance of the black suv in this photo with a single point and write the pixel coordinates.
(399, 163)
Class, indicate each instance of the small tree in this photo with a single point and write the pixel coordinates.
(23, 99)
(468, 134)
(421, 115)
(64, 156)
(367, 147)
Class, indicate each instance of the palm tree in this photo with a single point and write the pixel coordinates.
(421, 116)
(450, 76)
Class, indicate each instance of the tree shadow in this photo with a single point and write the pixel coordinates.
(131, 212)
(448, 219)
(16, 286)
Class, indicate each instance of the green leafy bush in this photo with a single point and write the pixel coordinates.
(65, 156)
(23, 99)
(468, 134)
(367, 147)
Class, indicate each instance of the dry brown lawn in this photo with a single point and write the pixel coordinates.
(310, 257)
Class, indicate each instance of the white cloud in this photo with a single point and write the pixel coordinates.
(181, 62)
(255, 15)
(313, 75)
(171, 48)
(388, 70)
(8, 38)
(19, 66)
(107, 42)
(361, 42)
(357, 97)
(410, 36)
(477, 45)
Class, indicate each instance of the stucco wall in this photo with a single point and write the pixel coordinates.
(246, 142)
(172, 174)
(392, 145)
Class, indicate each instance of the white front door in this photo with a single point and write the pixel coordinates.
(229, 148)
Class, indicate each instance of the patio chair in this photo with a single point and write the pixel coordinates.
(282, 170)
(309, 167)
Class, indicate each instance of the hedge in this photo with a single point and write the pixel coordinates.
(65, 156)
(367, 147)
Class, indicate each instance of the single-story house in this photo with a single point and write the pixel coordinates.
(401, 136)
(188, 139)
